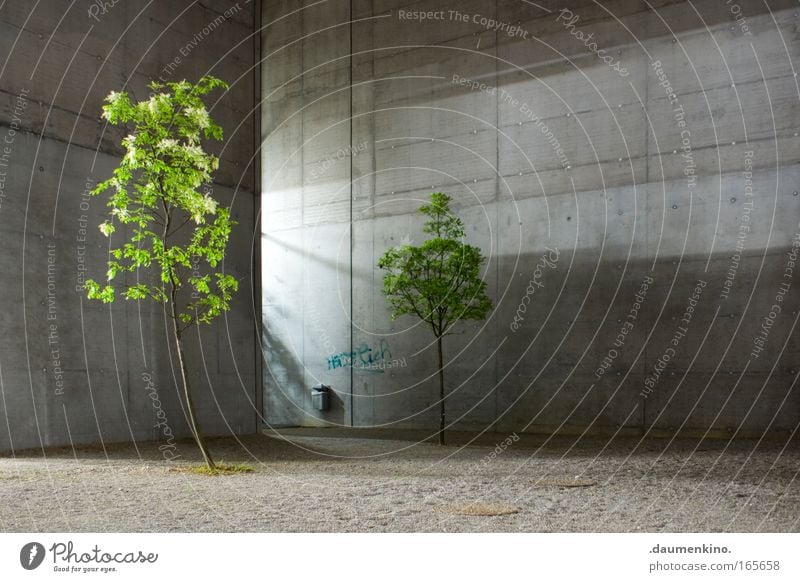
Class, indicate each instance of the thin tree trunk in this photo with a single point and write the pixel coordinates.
(194, 425)
(441, 390)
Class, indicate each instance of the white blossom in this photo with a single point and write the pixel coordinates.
(196, 151)
(128, 142)
(209, 204)
(199, 115)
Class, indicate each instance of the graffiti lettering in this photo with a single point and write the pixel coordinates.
(366, 357)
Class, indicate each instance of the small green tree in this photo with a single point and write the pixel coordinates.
(439, 282)
(170, 224)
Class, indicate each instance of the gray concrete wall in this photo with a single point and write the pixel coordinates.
(77, 371)
(629, 182)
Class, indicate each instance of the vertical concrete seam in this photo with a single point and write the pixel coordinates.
(646, 228)
(305, 411)
(350, 94)
(495, 421)
(258, 376)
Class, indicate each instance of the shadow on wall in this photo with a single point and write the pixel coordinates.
(599, 344)
(288, 384)
(630, 346)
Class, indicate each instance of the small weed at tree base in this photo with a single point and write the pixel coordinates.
(220, 469)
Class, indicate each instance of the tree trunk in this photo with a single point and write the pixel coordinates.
(441, 390)
(194, 425)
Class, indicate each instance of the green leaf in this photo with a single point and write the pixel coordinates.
(95, 291)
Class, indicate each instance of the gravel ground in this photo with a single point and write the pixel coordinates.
(327, 481)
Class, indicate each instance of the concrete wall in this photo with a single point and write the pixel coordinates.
(78, 371)
(624, 181)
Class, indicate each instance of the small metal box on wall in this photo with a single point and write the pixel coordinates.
(321, 397)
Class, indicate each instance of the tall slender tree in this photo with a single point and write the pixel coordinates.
(439, 281)
(170, 224)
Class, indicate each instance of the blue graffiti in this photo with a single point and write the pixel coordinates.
(362, 357)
